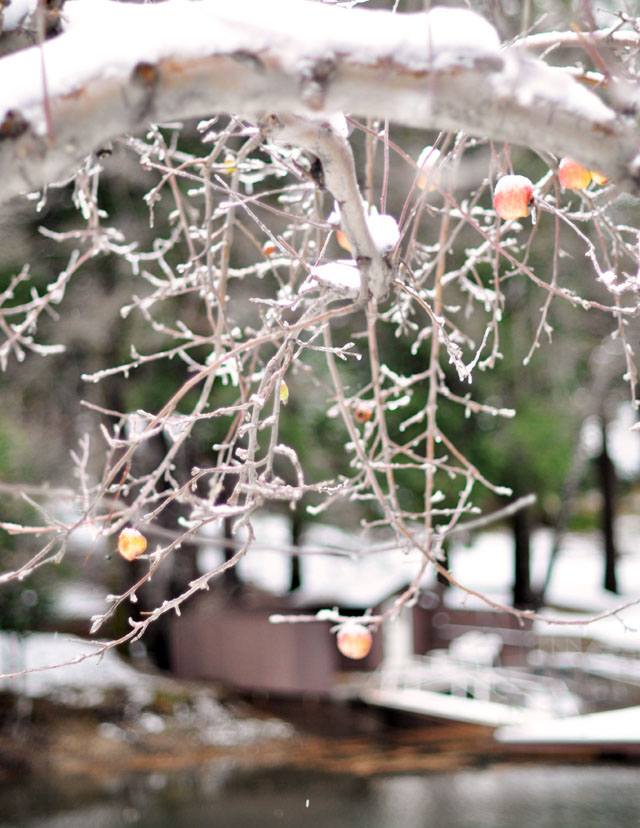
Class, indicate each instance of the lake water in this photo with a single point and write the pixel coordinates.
(221, 796)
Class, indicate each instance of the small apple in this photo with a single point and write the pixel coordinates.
(573, 176)
(343, 241)
(363, 413)
(428, 162)
(269, 248)
(513, 196)
(131, 543)
(354, 640)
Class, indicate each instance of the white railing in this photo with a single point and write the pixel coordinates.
(454, 673)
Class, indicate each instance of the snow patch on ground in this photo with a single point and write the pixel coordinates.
(86, 684)
(619, 726)
(76, 673)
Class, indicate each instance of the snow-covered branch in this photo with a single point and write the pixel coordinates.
(119, 66)
(24, 22)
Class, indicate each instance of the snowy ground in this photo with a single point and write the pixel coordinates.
(612, 727)
(85, 678)
(131, 705)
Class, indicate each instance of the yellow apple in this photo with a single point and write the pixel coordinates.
(131, 543)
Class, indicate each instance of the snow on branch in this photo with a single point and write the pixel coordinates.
(119, 66)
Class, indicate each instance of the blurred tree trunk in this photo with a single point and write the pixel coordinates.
(446, 564)
(295, 574)
(605, 362)
(607, 483)
(521, 526)
(230, 578)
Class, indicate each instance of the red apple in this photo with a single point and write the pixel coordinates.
(573, 176)
(513, 196)
(131, 543)
(354, 640)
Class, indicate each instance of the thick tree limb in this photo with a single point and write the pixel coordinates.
(120, 66)
(339, 173)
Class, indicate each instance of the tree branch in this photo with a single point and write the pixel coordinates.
(120, 66)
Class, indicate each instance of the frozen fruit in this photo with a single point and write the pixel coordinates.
(131, 543)
(573, 176)
(513, 196)
(354, 640)
(363, 413)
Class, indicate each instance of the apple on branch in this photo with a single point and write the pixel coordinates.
(131, 543)
(573, 176)
(354, 640)
(513, 197)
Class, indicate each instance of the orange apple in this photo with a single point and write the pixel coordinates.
(513, 196)
(573, 176)
(354, 640)
(343, 241)
(363, 413)
(268, 248)
(131, 543)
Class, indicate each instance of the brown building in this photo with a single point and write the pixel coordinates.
(232, 641)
